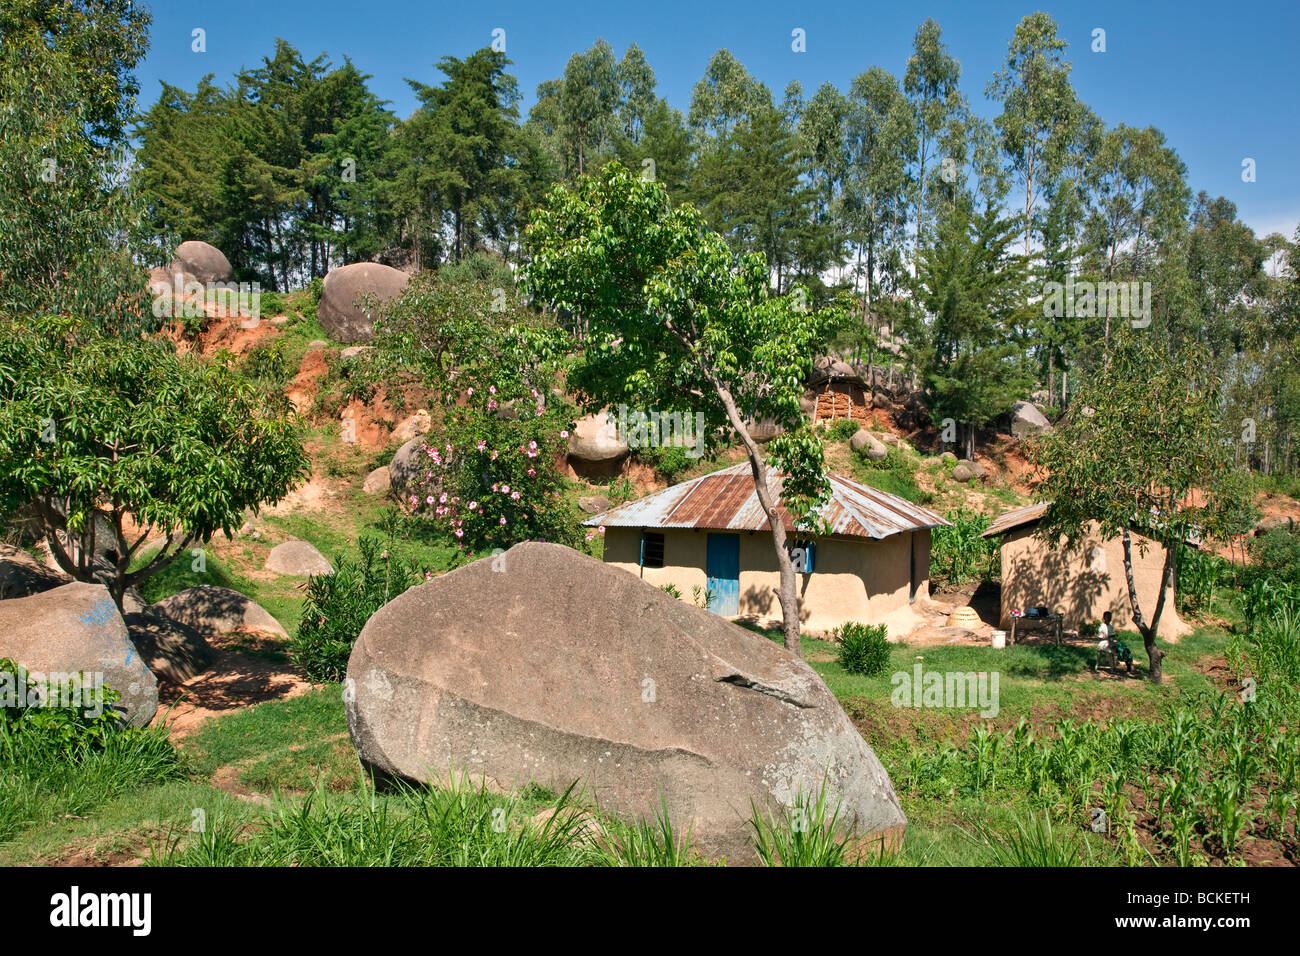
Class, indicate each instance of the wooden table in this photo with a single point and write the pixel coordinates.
(1025, 622)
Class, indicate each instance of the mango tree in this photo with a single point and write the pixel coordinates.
(125, 439)
(1142, 451)
(677, 323)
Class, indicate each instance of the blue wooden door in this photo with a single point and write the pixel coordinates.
(723, 568)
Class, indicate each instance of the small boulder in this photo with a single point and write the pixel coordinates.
(205, 262)
(1027, 421)
(864, 443)
(173, 651)
(298, 558)
(409, 466)
(339, 312)
(948, 458)
(962, 473)
(595, 504)
(356, 351)
(595, 439)
(418, 424)
(77, 628)
(378, 482)
(975, 468)
(315, 345)
(212, 610)
(280, 321)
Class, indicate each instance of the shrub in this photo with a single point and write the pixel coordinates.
(668, 462)
(339, 604)
(864, 648)
(492, 481)
(1277, 554)
(310, 298)
(959, 553)
(843, 429)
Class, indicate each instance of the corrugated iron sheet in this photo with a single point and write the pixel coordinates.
(1015, 518)
(726, 501)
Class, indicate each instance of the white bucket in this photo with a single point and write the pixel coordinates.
(999, 638)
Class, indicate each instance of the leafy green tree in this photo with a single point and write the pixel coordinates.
(66, 91)
(577, 115)
(676, 323)
(1142, 450)
(931, 86)
(100, 433)
(724, 96)
(456, 153)
(973, 291)
(1039, 107)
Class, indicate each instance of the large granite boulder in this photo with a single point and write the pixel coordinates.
(211, 610)
(421, 423)
(508, 669)
(377, 482)
(21, 575)
(1027, 421)
(339, 312)
(205, 262)
(297, 557)
(76, 628)
(595, 440)
(174, 651)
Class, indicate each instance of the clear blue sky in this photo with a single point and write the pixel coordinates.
(1218, 78)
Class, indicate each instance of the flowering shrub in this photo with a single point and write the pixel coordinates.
(492, 479)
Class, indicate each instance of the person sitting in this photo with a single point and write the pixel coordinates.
(1111, 647)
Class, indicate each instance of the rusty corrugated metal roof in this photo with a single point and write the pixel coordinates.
(1015, 518)
(726, 500)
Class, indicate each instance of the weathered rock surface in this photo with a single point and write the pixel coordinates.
(412, 427)
(1027, 421)
(22, 575)
(205, 262)
(595, 504)
(377, 482)
(409, 466)
(595, 439)
(521, 676)
(867, 444)
(173, 651)
(962, 473)
(211, 610)
(76, 628)
(340, 314)
(297, 557)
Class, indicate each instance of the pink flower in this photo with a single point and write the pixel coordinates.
(531, 473)
(564, 433)
(514, 495)
(494, 456)
(482, 445)
(532, 454)
(600, 530)
(492, 389)
(429, 500)
(428, 575)
(503, 521)
(459, 533)
(590, 535)
(505, 488)
(496, 485)
(532, 444)
(442, 500)
(492, 404)
(473, 505)
(469, 391)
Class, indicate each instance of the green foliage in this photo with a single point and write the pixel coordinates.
(669, 462)
(94, 429)
(1035, 844)
(863, 648)
(66, 94)
(959, 554)
(339, 604)
(64, 751)
(1277, 553)
(843, 430)
(811, 833)
(493, 481)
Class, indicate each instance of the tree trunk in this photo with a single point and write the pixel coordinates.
(1154, 654)
(788, 593)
